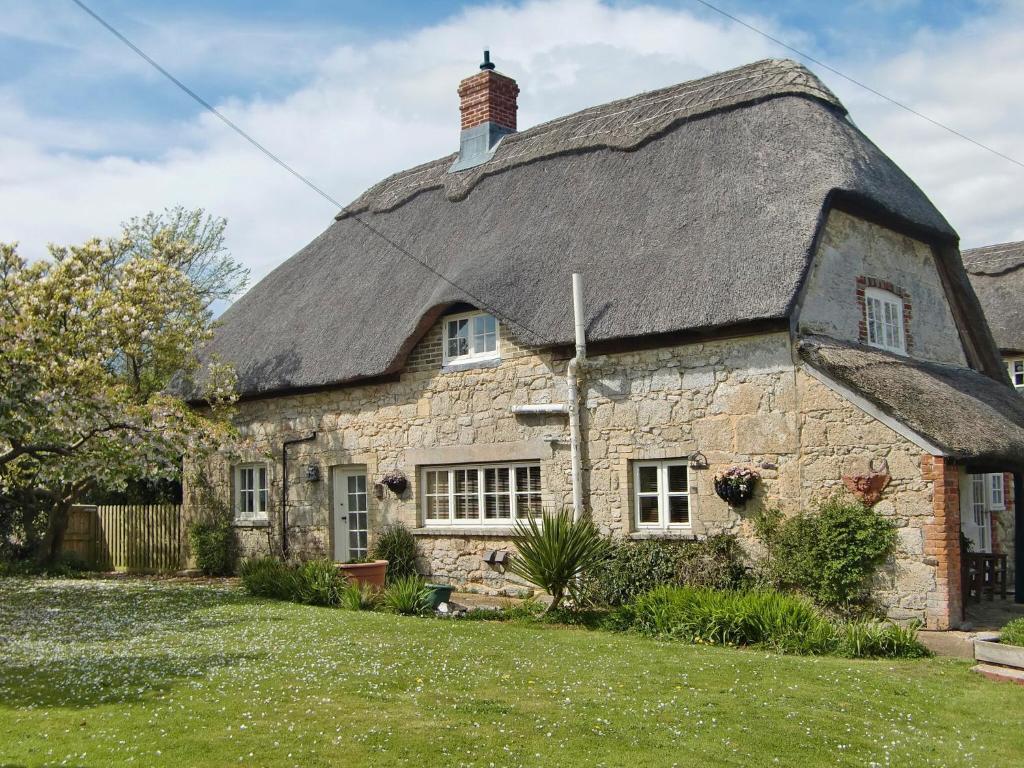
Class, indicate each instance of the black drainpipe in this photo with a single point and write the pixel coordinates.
(284, 487)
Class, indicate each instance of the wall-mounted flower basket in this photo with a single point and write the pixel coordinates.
(735, 486)
(396, 482)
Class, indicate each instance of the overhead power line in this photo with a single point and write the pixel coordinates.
(858, 83)
(481, 303)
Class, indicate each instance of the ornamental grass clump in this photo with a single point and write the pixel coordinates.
(761, 618)
(397, 545)
(556, 551)
(319, 582)
(355, 596)
(407, 596)
(1013, 633)
(268, 577)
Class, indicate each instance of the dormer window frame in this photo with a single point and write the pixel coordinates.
(1015, 367)
(479, 338)
(885, 319)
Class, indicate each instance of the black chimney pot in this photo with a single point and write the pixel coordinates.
(488, 64)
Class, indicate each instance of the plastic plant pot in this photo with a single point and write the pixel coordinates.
(437, 594)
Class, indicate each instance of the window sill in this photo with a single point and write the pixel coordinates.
(468, 365)
(671, 535)
(250, 523)
(470, 531)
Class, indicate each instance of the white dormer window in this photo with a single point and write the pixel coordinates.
(884, 316)
(1015, 368)
(470, 337)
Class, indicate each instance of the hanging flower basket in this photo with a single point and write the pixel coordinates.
(396, 482)
(735, 485)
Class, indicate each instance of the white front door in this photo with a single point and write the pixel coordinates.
(350, 517)
(975, 517)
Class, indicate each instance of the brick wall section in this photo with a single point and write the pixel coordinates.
(942, 543)
(488, 97)
(864, 282)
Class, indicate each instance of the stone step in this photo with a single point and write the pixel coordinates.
(1002, 674)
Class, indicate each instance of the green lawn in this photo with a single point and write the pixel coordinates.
(110, 673)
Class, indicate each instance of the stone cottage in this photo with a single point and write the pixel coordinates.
(761, 287)
(996, 274)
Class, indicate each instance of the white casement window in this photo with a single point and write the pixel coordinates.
(996, 500)
(1015, 368)
(470, 337)
(488, 494)
(251, 498)
(661, 497)
(884, 316)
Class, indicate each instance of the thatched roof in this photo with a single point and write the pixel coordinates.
(690, 208)
(996, 275)
(968, 415)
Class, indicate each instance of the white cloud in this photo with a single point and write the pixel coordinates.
(367, 110)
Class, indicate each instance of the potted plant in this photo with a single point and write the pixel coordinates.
(1001, 656)
(365, 571)
(396, 481)
(735, 485)
(437, 594)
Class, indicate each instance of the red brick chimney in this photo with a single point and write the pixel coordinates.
(488, 97)
(487, 101)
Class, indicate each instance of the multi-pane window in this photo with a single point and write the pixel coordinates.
(661, 494)
(884, 316)
(358, 516)
(490, 494)
(470, 337)
(981, 512)
(251, 492)
(1016, 370)
(996, 500)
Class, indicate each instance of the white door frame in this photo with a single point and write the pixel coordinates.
(349, 513)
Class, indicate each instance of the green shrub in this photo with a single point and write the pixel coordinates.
(553, 553)
(632, 568)
(397, 545)
(407, 596)
(319, 582)
(872, 639)
(213, 546)
(764, 618)
(68, 565)
(1013, 633)
(358, 597)
(269, 577)
(832, 555)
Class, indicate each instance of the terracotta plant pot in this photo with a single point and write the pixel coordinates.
(371, 573)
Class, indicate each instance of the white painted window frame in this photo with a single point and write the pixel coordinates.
(996, 492)
(663, 494)
(481, 522)
(260, 493)
(980, 509)
(1015, 367)
(885, 298)
(473, 355)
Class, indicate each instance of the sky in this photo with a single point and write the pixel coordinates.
(349, 92)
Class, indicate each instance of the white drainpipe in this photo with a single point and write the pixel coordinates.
(572, 380)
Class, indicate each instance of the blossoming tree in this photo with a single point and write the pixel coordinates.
(96, 341)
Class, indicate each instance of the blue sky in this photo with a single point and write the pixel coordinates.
(349, 92)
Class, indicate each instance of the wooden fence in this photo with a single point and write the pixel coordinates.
(122, 537)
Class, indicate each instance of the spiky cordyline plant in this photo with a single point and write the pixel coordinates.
(554, 552)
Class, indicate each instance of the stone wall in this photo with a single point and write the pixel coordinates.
(854, 253)
(736, 401)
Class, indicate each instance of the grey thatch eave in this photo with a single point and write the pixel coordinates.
(969, 416)
(997, 277)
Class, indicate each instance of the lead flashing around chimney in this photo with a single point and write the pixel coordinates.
(477, 145)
